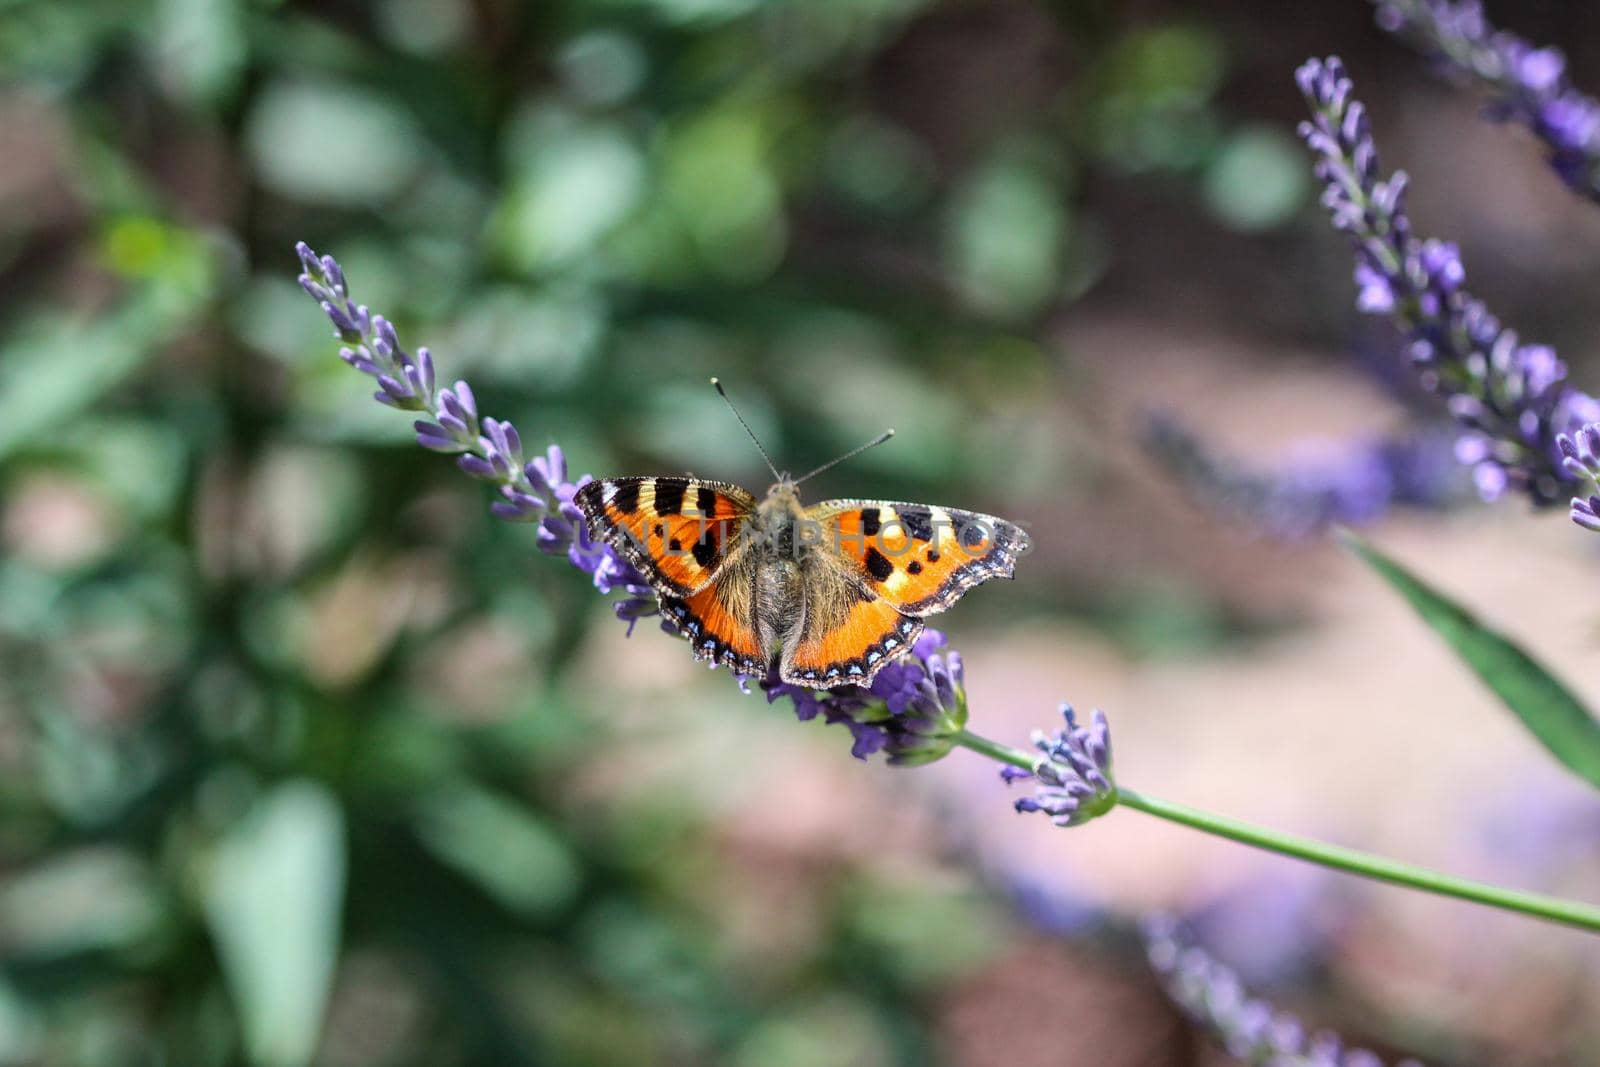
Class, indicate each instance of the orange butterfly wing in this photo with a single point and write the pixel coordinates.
(683, 534)
(718, 630)
(677, 532)
(919, 558)
(852, 646)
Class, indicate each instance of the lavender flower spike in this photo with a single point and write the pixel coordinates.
(925, 696)
(1580, 455)
(1525, 84)
(1314, 485)
(1511, 399)
(489, 449)
(1074, 777)
(1249, 1028)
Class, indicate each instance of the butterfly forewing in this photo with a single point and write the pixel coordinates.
(677, 532)
(920, 558)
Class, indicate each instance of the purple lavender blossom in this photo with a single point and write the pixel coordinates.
(1526, 85)
(1580, 455)
(847, 705)
(1511, 398)
(1251, 1029)
(1074, 777)
(925, 694)
(913, 711)
(1347, 483)
(1586, 512)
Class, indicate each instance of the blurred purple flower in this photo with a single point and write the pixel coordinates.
(1249, 1028)
(1073, 778)
(1281, 923)
(1544, 834)
(1511, 399)
(1045, 903)
(1315, 485)
(1526, 85)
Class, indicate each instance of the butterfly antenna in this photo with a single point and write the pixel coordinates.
(854, 452)
(717, 385)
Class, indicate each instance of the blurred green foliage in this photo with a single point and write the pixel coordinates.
(293, 739)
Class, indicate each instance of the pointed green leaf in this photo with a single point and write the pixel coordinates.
(273, 896)
(1546, 707)
(501, 845)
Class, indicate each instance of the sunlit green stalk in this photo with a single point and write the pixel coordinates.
(1351, 861)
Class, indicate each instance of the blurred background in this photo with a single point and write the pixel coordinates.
(304, 759)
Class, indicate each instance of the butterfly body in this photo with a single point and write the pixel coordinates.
(829, 593)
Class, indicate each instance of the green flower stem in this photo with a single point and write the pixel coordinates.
(996, 751)
(1349, 860)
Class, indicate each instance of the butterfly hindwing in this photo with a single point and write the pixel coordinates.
(677, 532)
(719, 621)
(847, 634)
(918, 557)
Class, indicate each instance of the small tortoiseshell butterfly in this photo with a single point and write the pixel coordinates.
(831, 592)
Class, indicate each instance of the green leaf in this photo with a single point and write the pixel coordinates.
(502, 845)
(273, 895)
(57, 365)
(1546, 707)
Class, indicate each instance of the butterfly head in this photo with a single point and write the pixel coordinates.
(785, 488)
(782, 503)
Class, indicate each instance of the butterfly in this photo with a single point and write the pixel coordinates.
(829, 593)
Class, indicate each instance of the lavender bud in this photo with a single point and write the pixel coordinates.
(435, 438)
(548, 470)
(308, 259)
(342, 322)
(425, 374)
(458, 410)
(477, 467)
(395, 389)
(384, 340)
(1586, 512)
(503, 444)
(335, 275)
(315, 289)
(358, 358)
